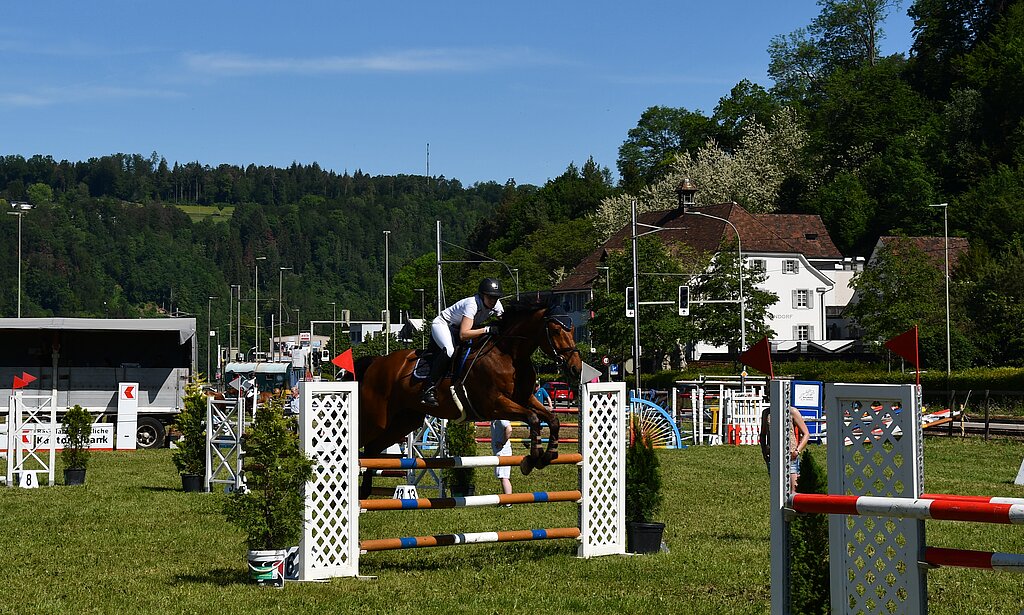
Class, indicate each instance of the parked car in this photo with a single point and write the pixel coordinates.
(561, 393)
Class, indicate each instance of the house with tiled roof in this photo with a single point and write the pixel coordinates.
(801, 263)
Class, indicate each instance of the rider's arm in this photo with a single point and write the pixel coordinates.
(467, 332)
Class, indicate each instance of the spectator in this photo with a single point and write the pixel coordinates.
(501, 432)
(543, 396)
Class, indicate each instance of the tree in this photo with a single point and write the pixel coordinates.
(719, 323)
(901, 288)
(39, 194)
(652, 146)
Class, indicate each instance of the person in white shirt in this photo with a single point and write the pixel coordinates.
(464, 319)
(501, 431)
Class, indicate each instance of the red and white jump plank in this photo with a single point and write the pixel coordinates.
(525, 424)
(909, 508)
(1006, 562)
(972, 498)
(444, 540)
(436, 463)
(472, 500)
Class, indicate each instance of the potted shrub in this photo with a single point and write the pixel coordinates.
(460, 441)
(190, 456)
(270, 509)
(643, 493)
(75, 452)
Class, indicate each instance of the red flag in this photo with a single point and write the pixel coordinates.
(23, 380)
(905, 345)
(344, 361)
(759, 356)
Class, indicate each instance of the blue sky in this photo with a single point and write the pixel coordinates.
(499, 90)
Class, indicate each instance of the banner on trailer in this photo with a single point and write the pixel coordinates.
(38, 436)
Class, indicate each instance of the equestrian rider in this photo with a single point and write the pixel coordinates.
(464, 319)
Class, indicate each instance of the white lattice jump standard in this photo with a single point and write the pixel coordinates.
(330, 545)
(873, 476)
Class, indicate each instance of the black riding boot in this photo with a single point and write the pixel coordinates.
(438, 367)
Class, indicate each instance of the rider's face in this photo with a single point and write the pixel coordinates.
(489, 301)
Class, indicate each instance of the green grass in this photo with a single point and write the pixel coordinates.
(198, 213)
(131, 541)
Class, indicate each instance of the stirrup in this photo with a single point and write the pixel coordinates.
(429, 396)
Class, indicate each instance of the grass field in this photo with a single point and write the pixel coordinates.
(198, 213)
(131, 541)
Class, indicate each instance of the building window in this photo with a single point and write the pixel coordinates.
(803, 299)
(790, 266)
(757, 265)
(802, 332)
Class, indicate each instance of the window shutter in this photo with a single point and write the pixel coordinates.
(796, 266)
(796, 332)
(794, 300)
(810, 332)
(810, 299)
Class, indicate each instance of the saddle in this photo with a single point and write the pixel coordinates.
(424, 359)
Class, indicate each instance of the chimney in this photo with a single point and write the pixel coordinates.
(686, 193)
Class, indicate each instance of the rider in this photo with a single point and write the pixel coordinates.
(463, 319)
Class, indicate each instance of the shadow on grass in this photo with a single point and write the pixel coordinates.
(472, 558)
(218, 576)
(151, 488)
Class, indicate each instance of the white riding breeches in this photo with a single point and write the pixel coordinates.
(442, 334)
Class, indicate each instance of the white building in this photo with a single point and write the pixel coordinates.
(802, 266)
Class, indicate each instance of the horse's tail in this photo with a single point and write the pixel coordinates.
(362, 364)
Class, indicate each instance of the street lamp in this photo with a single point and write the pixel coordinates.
(280, 322)
(334, 333)
(298, 326)
(945, 237)
(387, 297)
(20, 209)
(515, 272)
(256, 322)
(607, 280)
(685, 191)
(238, 319)
(423, 320)
(209, 306)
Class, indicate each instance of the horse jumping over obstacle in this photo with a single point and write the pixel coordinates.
(496, 382)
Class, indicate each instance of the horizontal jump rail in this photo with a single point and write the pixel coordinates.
(973, 498)
(525, 424)
(525, 440)
(909, 508)
(472, 500)
(444, 540)
(963, 558)
(440, 463)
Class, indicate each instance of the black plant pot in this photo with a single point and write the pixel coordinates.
(74, 476)
(644, 537)
(192, 483)
(461, 490)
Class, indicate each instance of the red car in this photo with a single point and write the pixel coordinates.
(561, 393)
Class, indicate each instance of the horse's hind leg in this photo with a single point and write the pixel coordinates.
(549, 417)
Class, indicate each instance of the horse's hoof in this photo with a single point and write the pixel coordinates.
(526, 465)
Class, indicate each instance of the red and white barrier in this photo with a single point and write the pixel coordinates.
(963, 558)
(909, 508)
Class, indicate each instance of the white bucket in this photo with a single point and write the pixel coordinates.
(267, 567)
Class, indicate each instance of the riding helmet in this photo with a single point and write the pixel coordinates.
(490, 287)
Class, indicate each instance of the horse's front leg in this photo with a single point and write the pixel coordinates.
(533, 460)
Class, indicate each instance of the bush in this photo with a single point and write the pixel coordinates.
(643, 477)
(190, 457)
(78, 424)
(809, 574)
(270, 509)
(460, 438)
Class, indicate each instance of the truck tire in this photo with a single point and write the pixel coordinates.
(150, 433)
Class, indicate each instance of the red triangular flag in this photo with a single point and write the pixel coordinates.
(19, 382)
(27, 377)
(905, 345)
(344, 361)
(759, 356)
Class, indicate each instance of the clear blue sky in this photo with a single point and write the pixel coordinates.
(499, 90)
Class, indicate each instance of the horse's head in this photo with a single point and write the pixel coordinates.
(560, 343)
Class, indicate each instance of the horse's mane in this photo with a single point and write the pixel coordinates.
(517, 310)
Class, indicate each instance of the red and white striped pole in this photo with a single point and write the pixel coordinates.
(909, 508)
(1006, 562)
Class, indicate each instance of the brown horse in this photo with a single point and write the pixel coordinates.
(498, 380)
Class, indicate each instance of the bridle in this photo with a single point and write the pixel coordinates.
(561, 355)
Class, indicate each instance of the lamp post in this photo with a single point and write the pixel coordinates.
(945, 237)
(607, 281)
(298, 326)
(387, 297)
(423, 319)
(209, 306)
(256, 322)
(280, 323)
(515, 272)
(20, 209)
(238, 319)
(334, 333)
(685, 192)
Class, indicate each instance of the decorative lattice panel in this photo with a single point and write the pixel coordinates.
(874, 449)
(225, 422)
(32, 437)
(603, 475)
(329, 429)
